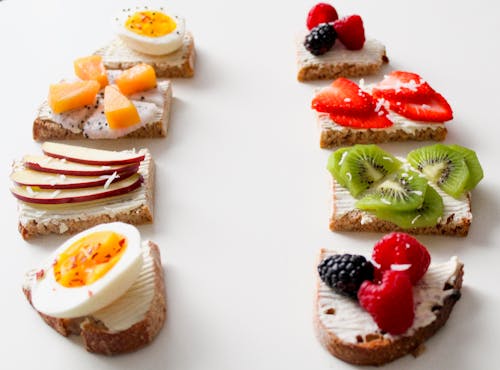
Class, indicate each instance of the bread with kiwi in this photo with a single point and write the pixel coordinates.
(368, 346)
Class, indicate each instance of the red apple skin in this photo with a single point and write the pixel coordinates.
(36, 167)
(123, 176)
(86, 198)
(137, 159)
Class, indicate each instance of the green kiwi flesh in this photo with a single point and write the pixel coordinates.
(428, 214)
(443, 166)
(335, 162)
(403, 190)
(364, 165)
(473, 165)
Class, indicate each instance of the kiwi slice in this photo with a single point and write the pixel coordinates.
(403, 190)
(473, 165)
(364, 165)
(443, 166)
(427, 214)
(335, 162)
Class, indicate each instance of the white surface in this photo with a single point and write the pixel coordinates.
(243, 198)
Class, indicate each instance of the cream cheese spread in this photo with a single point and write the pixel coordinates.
(348, 320)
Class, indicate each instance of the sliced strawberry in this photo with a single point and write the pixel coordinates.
(342, 97)
(402, 85)
(434, 108)
(363, 120)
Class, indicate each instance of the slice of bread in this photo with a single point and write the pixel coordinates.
(180, 63)
(134, 208)
(340, 62)
(345, 216)
(46, 125)
(333, 135)
(99, 338)
(349, 333)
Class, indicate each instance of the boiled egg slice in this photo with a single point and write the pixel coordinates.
(89, 271)
(150, 30)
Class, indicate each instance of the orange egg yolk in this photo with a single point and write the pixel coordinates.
(150, 23)
(89, 258)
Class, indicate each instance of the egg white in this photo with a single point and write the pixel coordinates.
(150, 45)
(53, 299)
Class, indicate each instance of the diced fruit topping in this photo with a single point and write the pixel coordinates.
(321, 13)
(91, 68)
(321, 39)
(344, 273)
(401, 249)
(434, 108)
(428, 214)
(443, 166)
(119, 110)
(342, 96)
(65, 96)
(402, 86)
(138, 78)
(390, 303)
(350, 32)
(362, 166)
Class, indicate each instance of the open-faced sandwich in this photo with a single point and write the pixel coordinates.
(335, 47)
(69, 189)
(428, 192)
(105, 285)
(372, 312)
(150, 34)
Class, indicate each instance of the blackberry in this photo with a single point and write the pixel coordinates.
(344, 273)
(320, 39)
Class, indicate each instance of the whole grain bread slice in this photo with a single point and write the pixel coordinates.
(180, 63)
(134, 208)
(45, 128)
(377, 348)
(98, 338)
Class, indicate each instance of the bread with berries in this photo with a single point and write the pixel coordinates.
(353, 334)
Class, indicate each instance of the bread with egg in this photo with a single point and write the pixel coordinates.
(350, 341)
(128, 323)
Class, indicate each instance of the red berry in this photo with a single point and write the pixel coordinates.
(401, 249)
(321, 13)
(402, 85)
(350, 31)
(342, 96)
(363, 120)
(389, 303)
(432, 108)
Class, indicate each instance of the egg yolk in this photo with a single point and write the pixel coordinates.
(89, 258)
(150, 23)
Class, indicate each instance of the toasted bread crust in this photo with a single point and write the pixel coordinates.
(379, 351)
(333, 138)
(353, 221)
(46, 129)
(140, 215)
(163, 65)
(99, 339)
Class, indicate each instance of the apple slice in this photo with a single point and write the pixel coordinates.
(84, 155)
(53, 181)
(44, 196)
(44, 163)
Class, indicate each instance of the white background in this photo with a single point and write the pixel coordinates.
(243, 196)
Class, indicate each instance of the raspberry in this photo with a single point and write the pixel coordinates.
(389, 303)
(344, 273)
(400, 249)
(321, 13)
(350, 31)
(320, 39)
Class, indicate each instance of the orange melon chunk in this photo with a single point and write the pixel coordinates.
(65, 96)
(138, 78)
(119, 110)
(91, 68)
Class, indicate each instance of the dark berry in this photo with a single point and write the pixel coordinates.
(321, 39)
(344, 273)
